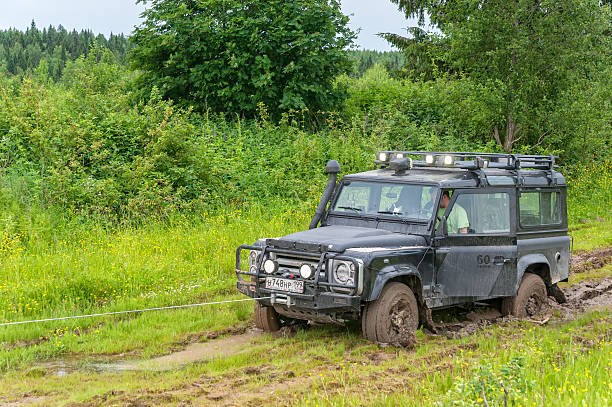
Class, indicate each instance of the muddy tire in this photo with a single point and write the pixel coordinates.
(266, 318)
(393, 317)
(529, 301)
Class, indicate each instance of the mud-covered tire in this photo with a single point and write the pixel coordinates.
(266, 318)
(529, 301)
(393, 317)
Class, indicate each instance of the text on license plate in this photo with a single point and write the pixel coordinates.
(282, 284)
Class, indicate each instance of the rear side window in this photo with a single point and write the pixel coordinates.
(539, 208)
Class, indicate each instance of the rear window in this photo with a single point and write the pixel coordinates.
(539, 208)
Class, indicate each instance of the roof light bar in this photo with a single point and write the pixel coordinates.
(470, 161)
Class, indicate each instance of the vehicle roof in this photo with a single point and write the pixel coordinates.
(458, 177)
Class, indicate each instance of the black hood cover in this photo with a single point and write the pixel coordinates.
(339, 238)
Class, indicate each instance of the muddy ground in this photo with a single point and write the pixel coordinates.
(585, 261)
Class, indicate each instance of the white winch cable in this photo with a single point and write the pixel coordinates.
(132, 311)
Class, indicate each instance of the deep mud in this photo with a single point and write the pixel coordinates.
(585, 261)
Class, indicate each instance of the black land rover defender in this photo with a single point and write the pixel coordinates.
(424, 231)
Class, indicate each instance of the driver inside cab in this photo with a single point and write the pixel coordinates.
(457, 221)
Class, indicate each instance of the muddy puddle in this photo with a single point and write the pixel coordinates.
(195, 352)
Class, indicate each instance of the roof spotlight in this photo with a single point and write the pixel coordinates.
(399, 155)
(382, 156)
(448, 160)
(429, 159)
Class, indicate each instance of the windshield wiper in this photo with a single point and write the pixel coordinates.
(390, 213)
(349, 208)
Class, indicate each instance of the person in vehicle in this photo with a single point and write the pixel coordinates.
(457, 221)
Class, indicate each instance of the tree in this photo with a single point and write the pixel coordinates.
(531, 51)
(232, 55)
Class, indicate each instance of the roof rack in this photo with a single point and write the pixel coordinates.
(468, 161)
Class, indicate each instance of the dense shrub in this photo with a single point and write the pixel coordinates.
(84, 146)
(89, 146)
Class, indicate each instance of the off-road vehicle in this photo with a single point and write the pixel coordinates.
(426, 230)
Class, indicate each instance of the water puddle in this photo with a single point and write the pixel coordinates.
(195, 352)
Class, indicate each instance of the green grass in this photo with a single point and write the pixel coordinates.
(592, 235)
(128, 269)
(589, 191)
(563, 364)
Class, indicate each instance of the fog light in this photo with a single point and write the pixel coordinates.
(306, 271)
(270, 266)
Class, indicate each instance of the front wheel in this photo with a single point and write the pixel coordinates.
(266, 318)
(393, 317)
(530, 300)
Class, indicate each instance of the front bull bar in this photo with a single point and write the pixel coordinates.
(252, 289)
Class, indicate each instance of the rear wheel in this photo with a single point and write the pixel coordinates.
(529, 301)
(266, 318)
(393, 317)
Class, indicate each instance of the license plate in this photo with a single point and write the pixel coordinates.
(282, 284)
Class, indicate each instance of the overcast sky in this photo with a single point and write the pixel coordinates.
(120, 16)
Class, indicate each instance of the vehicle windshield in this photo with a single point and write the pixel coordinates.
(392, 199)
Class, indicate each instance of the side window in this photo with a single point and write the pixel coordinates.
(539, 208)
(480, 213)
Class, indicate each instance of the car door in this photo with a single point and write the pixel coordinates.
(481, 262)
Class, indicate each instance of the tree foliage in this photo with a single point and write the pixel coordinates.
(365, 59)
(530, 52)
(21, 52)
(231, 56)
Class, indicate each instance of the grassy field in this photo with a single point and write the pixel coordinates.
(87, 268)
(564, 363)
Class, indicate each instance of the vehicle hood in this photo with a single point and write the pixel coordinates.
(340, 238)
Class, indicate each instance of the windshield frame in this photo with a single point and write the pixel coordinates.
(384, 216)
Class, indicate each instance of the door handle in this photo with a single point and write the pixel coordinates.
(499, 260)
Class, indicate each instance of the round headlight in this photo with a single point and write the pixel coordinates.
(342, 273)
(306, 271)
(269, 266)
